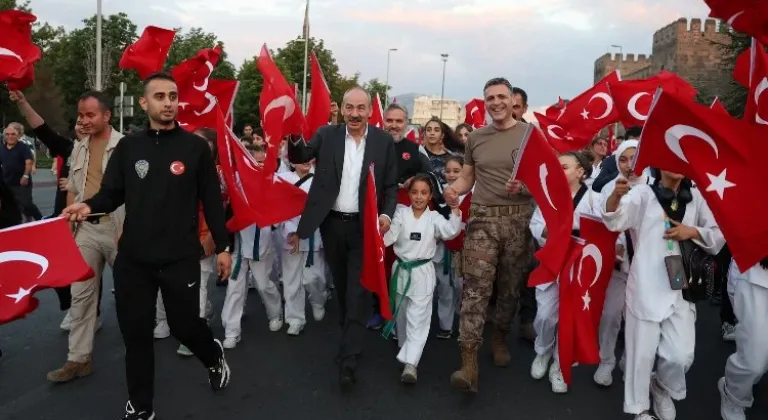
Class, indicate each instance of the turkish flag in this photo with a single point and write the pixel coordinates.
(372, 275)
(256, 195)
(563, 140)
(752, 67)
(633, 97)
(148, 54)
(718, 106)
(457, 243)
(590, 111)
(17, 52)
(377, 113)
(319, 108)
(566, 327)
(588, 287)
(413, 135)
(745, 16)
(557, 110)
(36, 256)
(538, 168)
(723, 156)
(222, 92)
(474, 114)
(192, 77)
(277, 95)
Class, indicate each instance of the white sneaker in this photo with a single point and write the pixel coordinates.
(540, 365)
(604, 375)
(318, 313)
(663, 405)
(231, 342)
(728, 331)
(295, 329)
(162, 330)
(184, 351)
(66, 323)
(275, 324)
(729, 410)
(645, 416)
(556, 379)
(409, 375)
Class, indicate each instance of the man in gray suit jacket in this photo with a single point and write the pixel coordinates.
(343, 153)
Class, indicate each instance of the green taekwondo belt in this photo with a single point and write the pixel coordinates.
(238, 262)
(408, 266)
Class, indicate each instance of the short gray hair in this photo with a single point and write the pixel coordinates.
(354, 88)
(396, 107)
(18, 127)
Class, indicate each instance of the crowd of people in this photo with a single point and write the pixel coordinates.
(460, 235)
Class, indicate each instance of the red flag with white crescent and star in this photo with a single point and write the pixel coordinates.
(36, 256)
(538, 168)
(372, 275)
(723, 156)
(752, 67)
(633, 97)
(148, 54)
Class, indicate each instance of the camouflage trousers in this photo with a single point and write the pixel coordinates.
(498, 246)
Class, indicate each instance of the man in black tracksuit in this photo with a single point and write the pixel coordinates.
(162, 174)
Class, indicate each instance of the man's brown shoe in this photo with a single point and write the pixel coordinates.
(71, 370)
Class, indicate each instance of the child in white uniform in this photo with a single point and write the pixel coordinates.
(303, 265)
(577, 169)
(255, 254)
(745, 368)
(414, 232)
(659, 320)
(449, 281)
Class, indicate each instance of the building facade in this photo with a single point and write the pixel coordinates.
(426, 107)
(683, 47)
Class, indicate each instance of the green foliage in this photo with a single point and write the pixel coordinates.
(736, 96)
(375, 86)
(67, 68)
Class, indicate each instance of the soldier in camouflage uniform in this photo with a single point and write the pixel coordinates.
(498, 244)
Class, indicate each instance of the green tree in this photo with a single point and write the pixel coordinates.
(736, 97)
(73, 58)
(47, 99)
(15, 4)
(375, 86)
(187, 44)
(292, 59)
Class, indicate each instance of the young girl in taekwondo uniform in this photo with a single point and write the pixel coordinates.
(749, 294)
(659, 321)
(615, 296)
(577, 170)
(303, 265)
(448, 259)
(254, 252)
(414, 232)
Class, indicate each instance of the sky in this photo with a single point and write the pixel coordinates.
(547, 47)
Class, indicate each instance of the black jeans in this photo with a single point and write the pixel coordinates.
(24, 200)
(343, 246)
(136, 286)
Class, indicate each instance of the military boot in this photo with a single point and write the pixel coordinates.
(499, 348)
(466, 378)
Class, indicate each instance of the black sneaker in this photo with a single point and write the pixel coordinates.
(443, 334)
(132, 414)
(218, 375)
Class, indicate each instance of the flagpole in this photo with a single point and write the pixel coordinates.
(97, 82)
(306, 59)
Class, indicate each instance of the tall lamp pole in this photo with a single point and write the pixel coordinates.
(386, 93)
(97, 85)
(306, 59)
(442, 89)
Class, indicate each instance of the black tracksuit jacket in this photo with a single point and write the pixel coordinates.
(162, 176)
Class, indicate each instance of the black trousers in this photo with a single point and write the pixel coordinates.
(136, 286)
(24, 200)
(343, 246)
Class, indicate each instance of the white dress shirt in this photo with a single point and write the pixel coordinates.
(348, 199)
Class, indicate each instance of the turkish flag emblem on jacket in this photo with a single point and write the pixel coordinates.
(36, 256)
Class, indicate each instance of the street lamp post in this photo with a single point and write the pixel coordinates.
(97, 85)
(386, 93)
(442, 89)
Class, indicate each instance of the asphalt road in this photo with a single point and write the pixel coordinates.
(281, 377)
